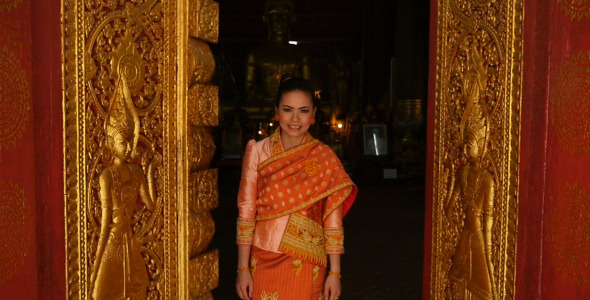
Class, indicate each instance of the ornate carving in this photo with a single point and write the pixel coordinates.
(119, 70)
(568, 232)
(569, 106)
(470, 207)
(200, 231)
(119, 270)
(16, 229)
(120, 59)
(203, 105)
(200, 63)
(201, 147)
(204, 20)
(577, 10)
(203, 193)
(479, 70)
(15, 98)
(204, 273)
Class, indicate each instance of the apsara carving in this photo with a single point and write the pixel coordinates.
(476, 124)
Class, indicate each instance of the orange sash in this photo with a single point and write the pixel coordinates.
(295, 179)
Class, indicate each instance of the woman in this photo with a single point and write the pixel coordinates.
(293, 195)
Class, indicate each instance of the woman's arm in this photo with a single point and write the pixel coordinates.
(333, 286)
(246, 220)
(334, 235)
(244, 282)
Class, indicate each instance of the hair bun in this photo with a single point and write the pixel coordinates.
(286, 77)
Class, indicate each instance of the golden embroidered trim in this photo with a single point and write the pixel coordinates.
(245, 231)
(315, 272)
(253, 263)
(334, 240)
(312, 167)
(304, 239)
(340, 200)
(269, 296)
(277, 156)
(313, 200)
(297, 266)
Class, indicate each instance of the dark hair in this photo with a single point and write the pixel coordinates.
(291, 83)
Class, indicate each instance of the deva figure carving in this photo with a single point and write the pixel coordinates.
(472, 193)
(119, 271)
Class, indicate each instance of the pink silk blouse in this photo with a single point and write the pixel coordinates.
(267, 233)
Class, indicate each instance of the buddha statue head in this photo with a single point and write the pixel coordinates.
(278, 17)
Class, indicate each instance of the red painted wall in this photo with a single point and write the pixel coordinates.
(18, 254)
(560, 153)
(47, 112)
(32, 260)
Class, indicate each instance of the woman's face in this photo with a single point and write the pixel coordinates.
(295, 113)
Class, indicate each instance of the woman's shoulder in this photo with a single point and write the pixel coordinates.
(258, 145)
(321, 145)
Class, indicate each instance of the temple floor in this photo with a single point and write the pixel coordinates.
(384, 241)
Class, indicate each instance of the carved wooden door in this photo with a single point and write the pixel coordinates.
(474, 119)
(138, 109)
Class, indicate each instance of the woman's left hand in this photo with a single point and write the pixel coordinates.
(332, 288)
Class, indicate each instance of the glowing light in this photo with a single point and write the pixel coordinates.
(260, 132)
(271, 124)
(293, 43)
(340, 125)
(318, 94)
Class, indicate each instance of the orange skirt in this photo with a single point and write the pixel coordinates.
(278, 276)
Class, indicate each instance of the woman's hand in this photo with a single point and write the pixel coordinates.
(244, 285)
(332, 288)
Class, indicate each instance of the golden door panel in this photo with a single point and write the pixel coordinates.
(126, 126)
(478, 83)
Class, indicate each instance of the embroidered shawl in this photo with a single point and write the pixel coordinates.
(293, 180)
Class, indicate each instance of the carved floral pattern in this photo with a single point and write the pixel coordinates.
(570, 106)
(16, 229)
(576, 9)
(8, 5)
(568, 232)
(15, 98)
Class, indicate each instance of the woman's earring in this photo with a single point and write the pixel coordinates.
(276, 118)
(312, 121)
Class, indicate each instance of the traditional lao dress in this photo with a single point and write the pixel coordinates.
(291, 204)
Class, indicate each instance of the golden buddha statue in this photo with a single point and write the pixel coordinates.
(273, 58)
(119, 271)
(472, 190)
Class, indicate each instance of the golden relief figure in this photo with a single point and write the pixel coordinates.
(476, 149)
(268, 61)
(472, 190)
(128, 155)
(119, 270)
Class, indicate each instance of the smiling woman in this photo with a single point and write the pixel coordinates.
(293, 195)
(295, 112)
